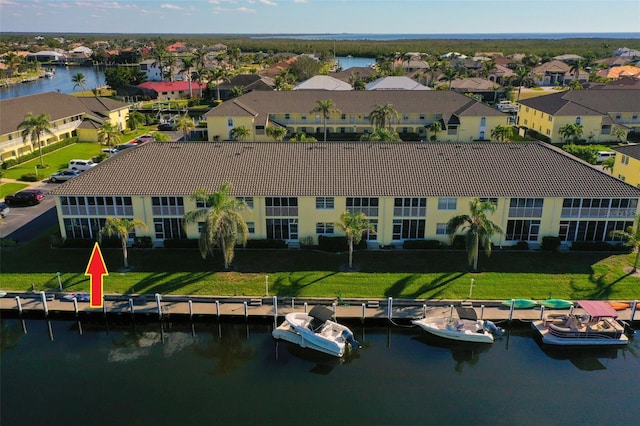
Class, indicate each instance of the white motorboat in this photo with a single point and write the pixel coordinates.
(466, 327)
(316, 331)
(598, 326)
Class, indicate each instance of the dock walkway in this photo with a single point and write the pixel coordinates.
(158, 307)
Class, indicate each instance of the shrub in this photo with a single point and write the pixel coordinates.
(520, 245)
(550, 243)
(180, 243)
(77, 243)
(266, 244)
(598, 246)
(421, 244)
(142, 242)
(29, 177)
(459, 242)
(100, 157)
(9, 163)
(8, 242)
(110, 243)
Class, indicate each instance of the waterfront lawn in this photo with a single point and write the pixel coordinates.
(10, 188)
(302, 273)
(55, 161)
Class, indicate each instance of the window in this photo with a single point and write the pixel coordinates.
(625, 159)
(522, 230)
(343, 116)
(167, 206)
(324, 228)
(591, 230)
(483, 121)
(229, 122)
(452, 130)
(287, 116)
(366, 205)
(247, 200)
(201, 204)
(404, 229)
(548, 132)
(281, 206)
(168, 228)
(251, 227)
(525, 207)
(373, 234)
(324, 203)
(492, 200)
(578, 120)
(447, 203)
(282, 229)
(410, 207)
(441, 229)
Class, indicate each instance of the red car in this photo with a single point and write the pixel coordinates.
(26, 197)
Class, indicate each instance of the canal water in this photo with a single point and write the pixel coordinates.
(61, 82)
(63, 372)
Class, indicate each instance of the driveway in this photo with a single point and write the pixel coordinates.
(26, 223)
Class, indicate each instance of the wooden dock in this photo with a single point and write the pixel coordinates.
(161, 307)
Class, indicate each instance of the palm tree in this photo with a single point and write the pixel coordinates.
(608, 164)
(79, 81)
(382, 115)
(566, 131)
(160, 137)
(576, 66)
(354, 225)
(449, 74)
(120, 227)
(381, 135)
(109, 134)
(478, 228)
(33, 127)
(134, 119)
(186, 124)
(240, 133)
(187, 65)
(620, 134)
(435, 127)
(302, 137)
(237, 91)
(13, 62)
(632, 239)
(222, 222)
(217, 74)
(502, 133)
(523, 74)
(325, 107)
(276, 132)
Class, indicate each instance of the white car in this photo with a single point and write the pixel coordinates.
(81, 165)
(63, 176)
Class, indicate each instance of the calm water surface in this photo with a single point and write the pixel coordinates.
(60, 83)
(62, 372)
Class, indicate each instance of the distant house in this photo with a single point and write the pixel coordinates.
(552, 73)
(349, 74)
(621, 83)
(323, 82)
(487, 89)
(172, 90)
(47, 56)
(569, 57)
(627, 164)
(152, 69)
(395, 83)
(177, 47)
(69, 116)
(248, 82)
(621, 71)
(627, 53)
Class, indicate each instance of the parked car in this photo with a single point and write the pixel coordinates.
(166, 126)
(143, 139)
(507, 106)
(63, 176)
(603, 156)
(124, 146)
(81, 165)
(110, 151)
(26, 197)
(4, 209)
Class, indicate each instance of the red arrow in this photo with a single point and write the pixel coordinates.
(96, 269)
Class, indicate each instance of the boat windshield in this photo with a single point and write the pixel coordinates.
(466, 313)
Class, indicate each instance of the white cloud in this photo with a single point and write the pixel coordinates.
(245, 10)
(300, 1)
(170, 6)
(268, 3)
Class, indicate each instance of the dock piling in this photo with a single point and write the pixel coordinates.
(333, 306)
(218, 309)
(19, 304)
(190, 309)
(159, 305)
(75, 306)
(44, 303)
(482, 312)
(246, 310)
(305, 307)
(390, 308)
(131, 306)
(634, 306)
(424, 310)
(364, 311)
(275, 308)
(541, 313)
(511, 308)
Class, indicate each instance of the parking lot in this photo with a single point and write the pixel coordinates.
(25, 223)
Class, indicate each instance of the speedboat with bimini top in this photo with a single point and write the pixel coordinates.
(598, 326)
(315, 330)
(466, 327)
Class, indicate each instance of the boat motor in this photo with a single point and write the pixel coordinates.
(348, 336)
(493, 329)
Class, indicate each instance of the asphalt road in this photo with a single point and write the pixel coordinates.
(26, 223)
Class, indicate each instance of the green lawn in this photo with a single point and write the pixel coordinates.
(404, 274)
(10, 188)
(57, 160)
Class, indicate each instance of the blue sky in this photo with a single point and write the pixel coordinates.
(320, 16)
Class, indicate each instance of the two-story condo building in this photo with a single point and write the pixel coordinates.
(599, 112)
(627, 164)
(297, 191)
(462, 119)
(69, 116)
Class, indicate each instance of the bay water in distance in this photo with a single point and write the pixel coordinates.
(453, 36)
(182, 373)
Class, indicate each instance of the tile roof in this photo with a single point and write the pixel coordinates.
(323, 82)
(632, 151)
(335, 169)
(395, 83)
(586, 102)
(57, 105)
(443, 102)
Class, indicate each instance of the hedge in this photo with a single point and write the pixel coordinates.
(35, 154)
(180, 243)
(421, 244)
(598, 246)
(266, 244)
(550, 243)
